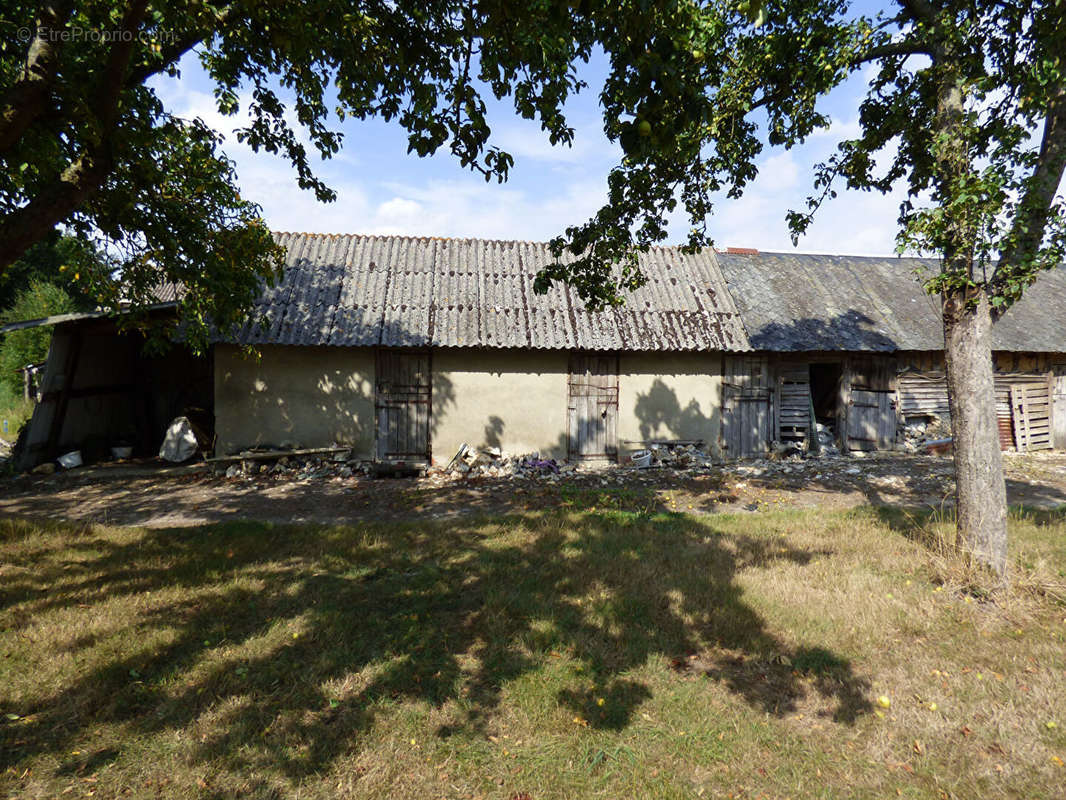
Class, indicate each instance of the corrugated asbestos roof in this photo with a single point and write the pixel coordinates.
(405, 291)
(793, 302)
(401, 291)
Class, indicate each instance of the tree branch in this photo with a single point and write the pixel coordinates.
(114, 78)
(1030, 221)
(28, 96)
(180, 47)
(27, 225)
(890, 49)
(82, 177)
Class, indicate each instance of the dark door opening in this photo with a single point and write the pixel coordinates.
(825, 391)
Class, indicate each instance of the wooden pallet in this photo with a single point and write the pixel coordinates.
(1031, 412)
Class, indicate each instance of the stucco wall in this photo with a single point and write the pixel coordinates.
(669, 396)
(511, 399)
(295, 396)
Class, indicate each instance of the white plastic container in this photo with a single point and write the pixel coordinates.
(121, 451)
(641, 458)
(70, 460)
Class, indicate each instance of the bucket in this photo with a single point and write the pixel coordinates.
(641, 458)
(121, 451)
(70, 460)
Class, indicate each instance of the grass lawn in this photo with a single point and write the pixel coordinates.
(574, 655)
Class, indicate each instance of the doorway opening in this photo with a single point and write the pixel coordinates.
(825, 389)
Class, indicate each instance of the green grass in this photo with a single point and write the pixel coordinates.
(16, 412)
(565, 655)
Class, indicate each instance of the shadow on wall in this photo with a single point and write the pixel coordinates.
(306, 397)
(661, 415)
(495, 430)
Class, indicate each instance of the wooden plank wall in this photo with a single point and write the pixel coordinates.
(923, 387)
(1058, 407)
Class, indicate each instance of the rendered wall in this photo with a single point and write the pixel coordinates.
(669, 396)
(295, 397)
(511, 399)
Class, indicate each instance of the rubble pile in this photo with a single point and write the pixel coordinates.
(493, 463)
(827, 440)
(296, 468)
(916, 433)
(674, 456)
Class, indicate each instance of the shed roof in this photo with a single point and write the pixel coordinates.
(407, 291)
(794, 302)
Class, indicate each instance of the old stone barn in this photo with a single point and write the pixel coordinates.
(407, 348)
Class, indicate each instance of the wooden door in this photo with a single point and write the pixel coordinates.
(871, 420)
(593, 406)
(747, 407)
(402, 405)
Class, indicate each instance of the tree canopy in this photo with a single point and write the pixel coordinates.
(692, 93)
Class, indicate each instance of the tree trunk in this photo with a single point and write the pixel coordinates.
(981, 494)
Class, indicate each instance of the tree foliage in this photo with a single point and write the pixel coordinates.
(58, 259)
(30, 346)
(692, 90)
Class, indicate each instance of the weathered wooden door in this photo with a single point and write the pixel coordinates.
(871, 420)
(593, 406)
(747, 407)
(402, 405)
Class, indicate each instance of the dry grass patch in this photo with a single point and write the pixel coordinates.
(560, 655)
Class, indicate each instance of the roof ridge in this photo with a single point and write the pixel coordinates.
(431, 238)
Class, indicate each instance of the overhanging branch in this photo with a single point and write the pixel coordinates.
(1030, 221)
(891, 49)
(27, 99)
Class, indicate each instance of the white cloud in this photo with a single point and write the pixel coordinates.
(526, 141)
(551, 188)
(838, 130)
(470, 208)
(782, 169)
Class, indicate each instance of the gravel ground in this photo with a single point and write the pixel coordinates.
(145, 493)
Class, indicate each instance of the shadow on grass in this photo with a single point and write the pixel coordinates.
(335, 626)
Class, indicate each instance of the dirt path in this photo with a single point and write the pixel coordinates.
(123, 494)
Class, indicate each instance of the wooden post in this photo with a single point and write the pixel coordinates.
(843, 401)
(69, 369)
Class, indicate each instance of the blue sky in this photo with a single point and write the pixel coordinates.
(381, 189)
